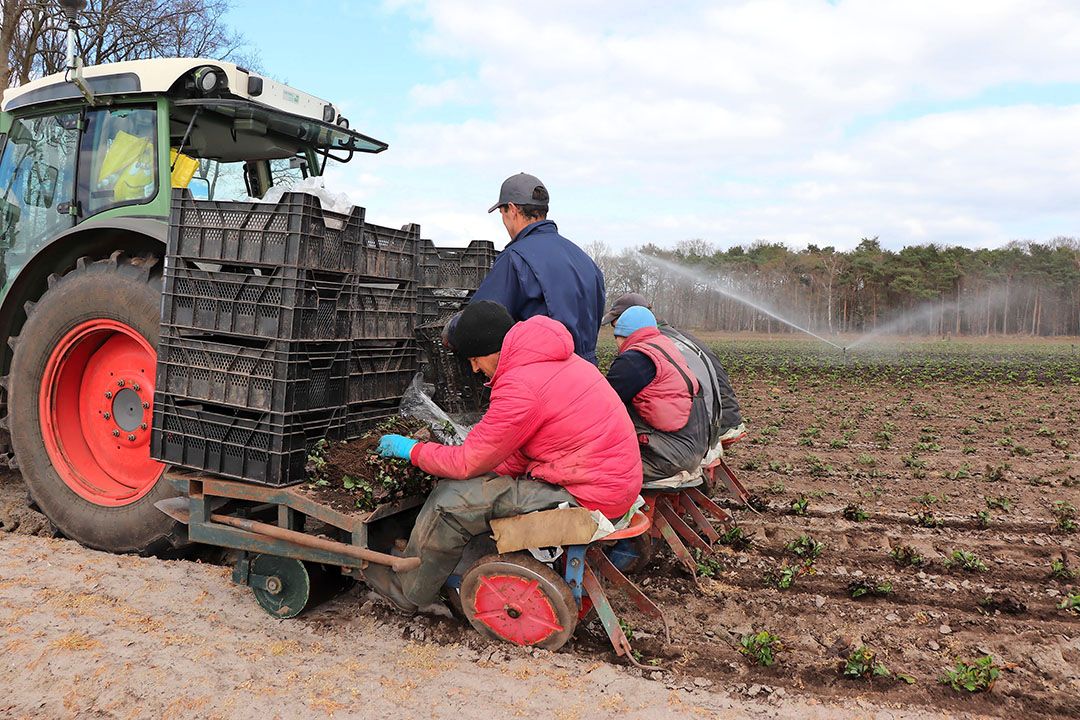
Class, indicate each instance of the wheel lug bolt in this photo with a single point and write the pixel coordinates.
(131, 437)
(116, 433)
(145, 405)
(108, 395)
(142, 426)
(135, 387)
(120, 383)
(107, 416)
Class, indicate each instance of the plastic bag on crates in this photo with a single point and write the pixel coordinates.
(335, 202)
(417, 403)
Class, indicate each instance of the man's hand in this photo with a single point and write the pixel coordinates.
(396, 446)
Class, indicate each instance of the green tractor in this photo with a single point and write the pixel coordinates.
(89, 160)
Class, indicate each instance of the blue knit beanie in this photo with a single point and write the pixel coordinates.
(633, 319)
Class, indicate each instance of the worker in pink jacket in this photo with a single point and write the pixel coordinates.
(555, 432)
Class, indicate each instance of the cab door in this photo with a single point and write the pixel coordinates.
(37, 186)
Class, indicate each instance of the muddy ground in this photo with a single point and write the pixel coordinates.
(83, 634)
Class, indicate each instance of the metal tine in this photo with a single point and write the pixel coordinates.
(679, 526)
(620, 581)
(702, 522)
(675, 543)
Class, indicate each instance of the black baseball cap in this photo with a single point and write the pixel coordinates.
(521, 189)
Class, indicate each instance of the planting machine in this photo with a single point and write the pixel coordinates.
(173, 353)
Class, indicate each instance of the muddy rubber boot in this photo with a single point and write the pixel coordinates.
(384, 581)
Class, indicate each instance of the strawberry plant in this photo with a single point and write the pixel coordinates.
(1060, 570)
(998, 503)
(927, 519)
(905, 555)
(1065, 514)
(799, 505)
(806, 548)
(736, 538)
(978, 676)
(869, 587)
(965, 560)
(861, 663)
(855, 513)
(1071, 603)
(783, 577)
(762, 648)
(708, 564)
(982, 518)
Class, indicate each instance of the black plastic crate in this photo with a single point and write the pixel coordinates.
(380, 372)
(435, 303)
(455, 267)
(363, 417)
(278, 376)
(389, 253)
(383, 310)
(457, 388)
(293, 232)
(286, 304)
(265, 448)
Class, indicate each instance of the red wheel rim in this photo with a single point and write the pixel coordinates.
(516, 609)
(96, 404)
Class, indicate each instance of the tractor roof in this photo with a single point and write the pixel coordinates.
(174, 76)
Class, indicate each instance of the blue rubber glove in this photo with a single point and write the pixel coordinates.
(396, 446)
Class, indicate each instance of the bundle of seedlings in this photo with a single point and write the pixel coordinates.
(355, 474)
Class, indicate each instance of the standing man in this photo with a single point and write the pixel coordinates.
(540, 272)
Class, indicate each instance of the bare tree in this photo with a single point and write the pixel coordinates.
(32, 38)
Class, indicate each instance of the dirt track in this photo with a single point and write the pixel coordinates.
(86, 634)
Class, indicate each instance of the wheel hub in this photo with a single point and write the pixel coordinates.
(128, 410)
(95, 406)
(516, 608)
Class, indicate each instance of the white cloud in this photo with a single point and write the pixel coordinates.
(733, 120)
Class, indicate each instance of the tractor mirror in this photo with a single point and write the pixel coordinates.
(40, 186)
(199, 188)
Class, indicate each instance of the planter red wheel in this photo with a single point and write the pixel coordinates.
(517, 599)
(96, 408)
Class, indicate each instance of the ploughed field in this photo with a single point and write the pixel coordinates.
(918, 501)
(916, 510)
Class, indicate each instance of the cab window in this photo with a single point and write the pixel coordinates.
(37, 174)
(118, 159)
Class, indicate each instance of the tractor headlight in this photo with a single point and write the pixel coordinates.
(209, 80)
(328, 113)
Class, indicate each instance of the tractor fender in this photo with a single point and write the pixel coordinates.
(95, 239)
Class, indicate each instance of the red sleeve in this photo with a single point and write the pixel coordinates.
(509, 422)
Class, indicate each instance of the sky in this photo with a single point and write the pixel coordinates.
(731, 121)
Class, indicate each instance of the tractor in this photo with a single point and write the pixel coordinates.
(89, 158)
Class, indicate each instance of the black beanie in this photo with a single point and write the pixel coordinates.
(480, 329)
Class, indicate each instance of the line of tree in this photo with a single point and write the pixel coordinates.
(33, 34)
(1027, 288)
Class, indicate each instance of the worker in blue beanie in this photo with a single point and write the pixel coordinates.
(662, 395)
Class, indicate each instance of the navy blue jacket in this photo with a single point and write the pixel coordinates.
(542, 273)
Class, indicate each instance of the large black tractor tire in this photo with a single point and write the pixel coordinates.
(120, 292)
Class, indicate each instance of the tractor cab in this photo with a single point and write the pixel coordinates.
(148, 126)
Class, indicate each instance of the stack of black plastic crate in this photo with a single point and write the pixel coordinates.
(448, 278)
(279, 321)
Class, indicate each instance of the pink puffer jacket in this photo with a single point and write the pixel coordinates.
(553, 417)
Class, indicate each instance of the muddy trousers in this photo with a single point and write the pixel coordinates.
(454, 512)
